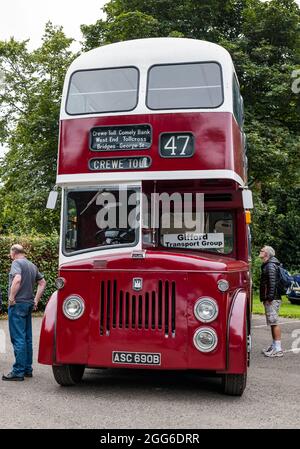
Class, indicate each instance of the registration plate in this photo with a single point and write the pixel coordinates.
(136, 358)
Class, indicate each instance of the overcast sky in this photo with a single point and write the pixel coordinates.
(26, 19)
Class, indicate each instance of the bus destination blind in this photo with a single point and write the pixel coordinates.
(120, 163)
(118, 138)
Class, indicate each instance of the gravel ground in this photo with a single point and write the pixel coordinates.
(134, 399)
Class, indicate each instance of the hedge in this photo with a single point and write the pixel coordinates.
(41, 250)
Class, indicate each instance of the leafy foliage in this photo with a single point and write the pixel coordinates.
(41, 250)
(29, 110)
(264, 41)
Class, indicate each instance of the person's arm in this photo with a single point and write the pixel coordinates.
(39, 293)
(15, 287)
(272, 281)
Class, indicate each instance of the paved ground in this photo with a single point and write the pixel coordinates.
(119, 399)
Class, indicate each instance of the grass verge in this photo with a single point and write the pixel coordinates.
(287, 310)
(4, 316)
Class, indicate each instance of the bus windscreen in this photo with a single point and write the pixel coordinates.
(100, 218)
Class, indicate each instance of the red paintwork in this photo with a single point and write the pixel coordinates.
(196, 274)
(47, 336)
(237, 338)
(216, 134)
(161, 260)
(80, 341)
(218, 145)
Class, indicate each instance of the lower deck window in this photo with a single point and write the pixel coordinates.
(216, 234)
(100, 218)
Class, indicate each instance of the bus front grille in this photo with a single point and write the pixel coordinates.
(154, 311)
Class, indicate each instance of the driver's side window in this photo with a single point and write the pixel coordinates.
(99, 218)
(71, 231)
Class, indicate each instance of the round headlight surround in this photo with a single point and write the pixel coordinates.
(212, 333)
(223, 285)
(60, 282)
(80, 304)
(207, 300)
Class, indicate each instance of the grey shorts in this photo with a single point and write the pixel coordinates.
(272, 312)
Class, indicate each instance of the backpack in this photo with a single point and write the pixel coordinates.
(284, 281)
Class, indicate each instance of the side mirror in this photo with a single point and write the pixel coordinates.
(247, 199)
(52, 199)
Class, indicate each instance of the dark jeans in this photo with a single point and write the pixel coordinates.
(20, 329)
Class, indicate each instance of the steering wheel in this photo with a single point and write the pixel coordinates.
(117, 237)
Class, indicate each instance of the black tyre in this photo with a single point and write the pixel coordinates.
(234, 384)
(67, 375)
(294, 301)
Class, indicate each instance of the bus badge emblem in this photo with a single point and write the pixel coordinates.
(137, 284)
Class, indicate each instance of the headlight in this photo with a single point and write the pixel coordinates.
(60, 283)
(73, 307)
(206, 310)
(205, 339)
(223, 285)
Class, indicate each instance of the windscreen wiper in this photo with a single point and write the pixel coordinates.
(92, 200)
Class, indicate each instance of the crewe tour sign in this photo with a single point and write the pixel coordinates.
(120, 163)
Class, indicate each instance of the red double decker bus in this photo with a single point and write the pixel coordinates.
(154, 264)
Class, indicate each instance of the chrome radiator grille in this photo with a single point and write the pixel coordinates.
(151, 310)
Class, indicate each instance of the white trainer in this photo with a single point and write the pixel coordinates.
(274, 353)
(269, 349)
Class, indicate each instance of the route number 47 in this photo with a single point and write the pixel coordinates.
(176, 145)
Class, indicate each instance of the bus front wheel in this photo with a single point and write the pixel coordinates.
(67, 375)
(234, 384)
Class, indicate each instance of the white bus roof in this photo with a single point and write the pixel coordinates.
(146, 52)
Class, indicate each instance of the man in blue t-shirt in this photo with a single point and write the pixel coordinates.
(21, 301)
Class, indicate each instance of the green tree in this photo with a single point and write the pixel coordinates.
(264, 41)
(129, 25)
(190, 18)
(29, 111)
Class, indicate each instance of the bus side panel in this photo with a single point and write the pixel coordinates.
(47, 334)
(72, 336)
(237, 335)
(238, 150)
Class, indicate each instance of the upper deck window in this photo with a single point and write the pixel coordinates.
(237, 103)
(182, 86)
(105, 90)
